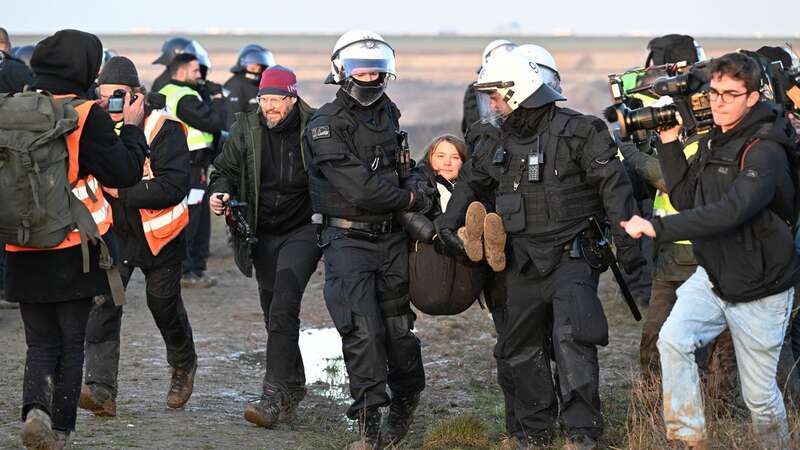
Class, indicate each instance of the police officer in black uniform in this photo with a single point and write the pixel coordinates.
(242, 87)
(356, 159)
(552, 169)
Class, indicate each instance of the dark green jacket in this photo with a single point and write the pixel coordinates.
(237, 171)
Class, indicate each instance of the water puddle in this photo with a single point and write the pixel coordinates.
(322, 358)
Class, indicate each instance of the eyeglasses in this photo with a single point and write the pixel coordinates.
(727, 97)
(270, 102)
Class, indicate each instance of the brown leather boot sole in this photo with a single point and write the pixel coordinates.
(176, 399)
(89, 402)
(473, 231)
(494, 239)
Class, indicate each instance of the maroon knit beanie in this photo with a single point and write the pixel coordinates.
(278, 80)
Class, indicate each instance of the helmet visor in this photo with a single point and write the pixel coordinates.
(367, 56)
(262, 58)
(197, 50)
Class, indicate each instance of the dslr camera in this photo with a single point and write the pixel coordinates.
(153, 101)
(686, 84)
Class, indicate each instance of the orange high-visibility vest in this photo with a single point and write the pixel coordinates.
(87, 190)
(161, 225)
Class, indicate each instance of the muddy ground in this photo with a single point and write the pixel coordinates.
(227, 322)
(230, 338)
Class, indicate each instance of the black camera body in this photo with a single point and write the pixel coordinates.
(116, 103)
(153, 101)
(686, 84)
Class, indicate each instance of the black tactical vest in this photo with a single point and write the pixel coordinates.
(374, 144)
(561, 198)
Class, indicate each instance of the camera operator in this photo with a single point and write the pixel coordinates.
(735, 200)
(674, 261)
(149, 219)
(203, 118)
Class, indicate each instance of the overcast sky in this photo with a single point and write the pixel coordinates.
(581, 17)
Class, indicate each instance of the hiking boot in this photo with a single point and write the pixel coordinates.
(98, 399)
(581, 442)
(270, 409)
(401, 414)
(296, 395)
(494, 240)
(62, 440)
(369, 429)
(200, 280)
(472, 231)
(181, 386)
(37, 432)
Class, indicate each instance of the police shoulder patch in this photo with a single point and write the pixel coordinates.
(321, 132)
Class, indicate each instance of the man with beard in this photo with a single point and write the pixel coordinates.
(262, 165)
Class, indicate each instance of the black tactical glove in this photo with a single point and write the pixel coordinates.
(453, 246)
(630, 258)
(421, 203)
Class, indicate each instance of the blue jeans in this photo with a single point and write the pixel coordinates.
(757, 329)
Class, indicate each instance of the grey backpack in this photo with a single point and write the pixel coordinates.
(38, 207)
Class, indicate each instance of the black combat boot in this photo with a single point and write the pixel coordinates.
(273, 406)
(369, 429)
(401, 414)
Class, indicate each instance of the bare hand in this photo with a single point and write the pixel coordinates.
(215, 202)
(133, 114)
(637, 226)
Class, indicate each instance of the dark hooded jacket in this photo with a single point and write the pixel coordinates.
(736, 219)
(14, 74)
(67, 63)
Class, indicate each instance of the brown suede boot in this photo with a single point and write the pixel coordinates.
(494, 239)
(37, 432)
(98, 399)
(472, 231)
(181, 386)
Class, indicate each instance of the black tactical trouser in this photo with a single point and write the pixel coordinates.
(163, 291)
(563, 306)
(283, 265)
(366, 292)
(198, 230)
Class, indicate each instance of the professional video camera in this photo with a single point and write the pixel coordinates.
(687, 85)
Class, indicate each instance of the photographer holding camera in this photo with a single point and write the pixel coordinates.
(737, 203)
(149, 219)
(674, 262)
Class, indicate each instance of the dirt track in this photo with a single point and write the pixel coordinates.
(230, 336)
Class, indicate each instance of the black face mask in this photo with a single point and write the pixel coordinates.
(365, 92)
